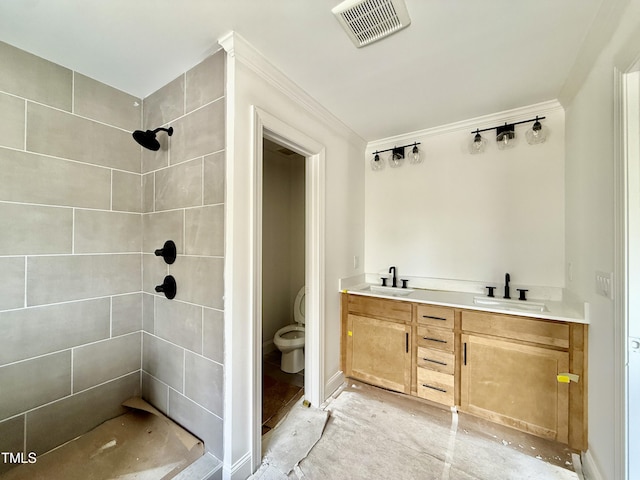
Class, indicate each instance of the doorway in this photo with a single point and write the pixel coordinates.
(283, 278)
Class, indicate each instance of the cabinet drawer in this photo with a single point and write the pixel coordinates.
(435, 338)
(394, 310)
(517, 328)
(437, 360)
(435, 386)
(436, 316)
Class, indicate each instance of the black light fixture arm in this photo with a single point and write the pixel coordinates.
(510, 124)
(414, 144)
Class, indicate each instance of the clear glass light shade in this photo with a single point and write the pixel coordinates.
(395, 160)
(536, 134)
(414, 156)
(506, 141)
(377, 163)
(478, 144)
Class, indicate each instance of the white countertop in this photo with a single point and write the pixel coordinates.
(554, 310)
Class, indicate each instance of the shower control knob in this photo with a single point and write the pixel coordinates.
(168, 287)
(168, 252)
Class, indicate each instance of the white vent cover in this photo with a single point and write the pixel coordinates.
(366, 21)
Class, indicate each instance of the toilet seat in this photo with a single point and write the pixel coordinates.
(290, 339)
(291, 336)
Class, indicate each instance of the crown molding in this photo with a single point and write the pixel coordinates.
(241, 50)
(485, 121)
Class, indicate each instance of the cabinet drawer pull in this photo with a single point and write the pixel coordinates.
(434, 318)
(434, 388)
(434, 361)
(434, 339)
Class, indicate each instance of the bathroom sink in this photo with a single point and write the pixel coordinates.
(395, 291)
(523, 306)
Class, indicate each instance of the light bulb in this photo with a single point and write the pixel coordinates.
(376, 163)
(536, 134)
(478, 144)
(415, 156)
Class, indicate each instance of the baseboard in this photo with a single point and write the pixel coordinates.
(589, 467)
(333, 384)
(241, 470)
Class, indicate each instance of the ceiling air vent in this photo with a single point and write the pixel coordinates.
(366, 21)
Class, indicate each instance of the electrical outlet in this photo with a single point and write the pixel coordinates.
(604, 284)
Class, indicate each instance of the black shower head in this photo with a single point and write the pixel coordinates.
(148, 139)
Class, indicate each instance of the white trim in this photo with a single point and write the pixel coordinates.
(589, 467)
(334, 383)
(268, 126)
(238, 47)
(485, 121)
(239, 470)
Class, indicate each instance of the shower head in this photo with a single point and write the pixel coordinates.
(148, 139)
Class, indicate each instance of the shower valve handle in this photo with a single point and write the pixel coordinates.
(168, 287)
(168, 252)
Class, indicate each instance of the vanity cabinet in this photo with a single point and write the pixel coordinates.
(509, 374)
(435, 354)
(378, 342)
(500, 367)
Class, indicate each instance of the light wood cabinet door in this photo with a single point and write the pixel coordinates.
(378, 352)
(516, 385)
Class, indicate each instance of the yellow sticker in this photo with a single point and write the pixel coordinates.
(345, 290)
(350, 333)
(563, 379)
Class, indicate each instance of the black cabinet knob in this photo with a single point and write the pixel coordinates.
(168, 287)
(168, 252)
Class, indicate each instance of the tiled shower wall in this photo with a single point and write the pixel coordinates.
(70, 252)
(183, 201)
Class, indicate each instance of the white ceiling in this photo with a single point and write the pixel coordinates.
(458, 59)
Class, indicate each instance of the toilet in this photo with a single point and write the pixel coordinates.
(290, 339)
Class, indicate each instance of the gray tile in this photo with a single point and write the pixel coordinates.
(155, 392)
(34, 78)
(127, 192)
(64, 278)
(107, 232)
(13, 280)
(205, 81)
(106, 360)
(199, 133)
(200, 422)
(179, 323)
(200, 280)
(12, 121)
(106, 104)
(162, 226)
(126, 314)
(37, 331)
(213, 335)
(11, 439)
(61, 421)
(154, 271)
(164, 105)
(32, 178)
(204, 383)
(214, 178)
(65, 135)
(31, 229)
(148, 192)
(163, 360)
(179, 186)
(159, 159)
(204, 231)
(148, 312)
(28, 384)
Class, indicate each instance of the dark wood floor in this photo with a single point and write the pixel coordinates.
(280, 390)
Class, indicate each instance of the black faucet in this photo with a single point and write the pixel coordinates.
(507, 279)
(395, 280)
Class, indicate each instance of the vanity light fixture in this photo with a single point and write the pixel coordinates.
(396, 159)
(506, 135)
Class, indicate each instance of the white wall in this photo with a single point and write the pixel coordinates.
(252, 82)
(471, 217)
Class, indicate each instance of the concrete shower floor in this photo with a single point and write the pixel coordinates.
(137, 445)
